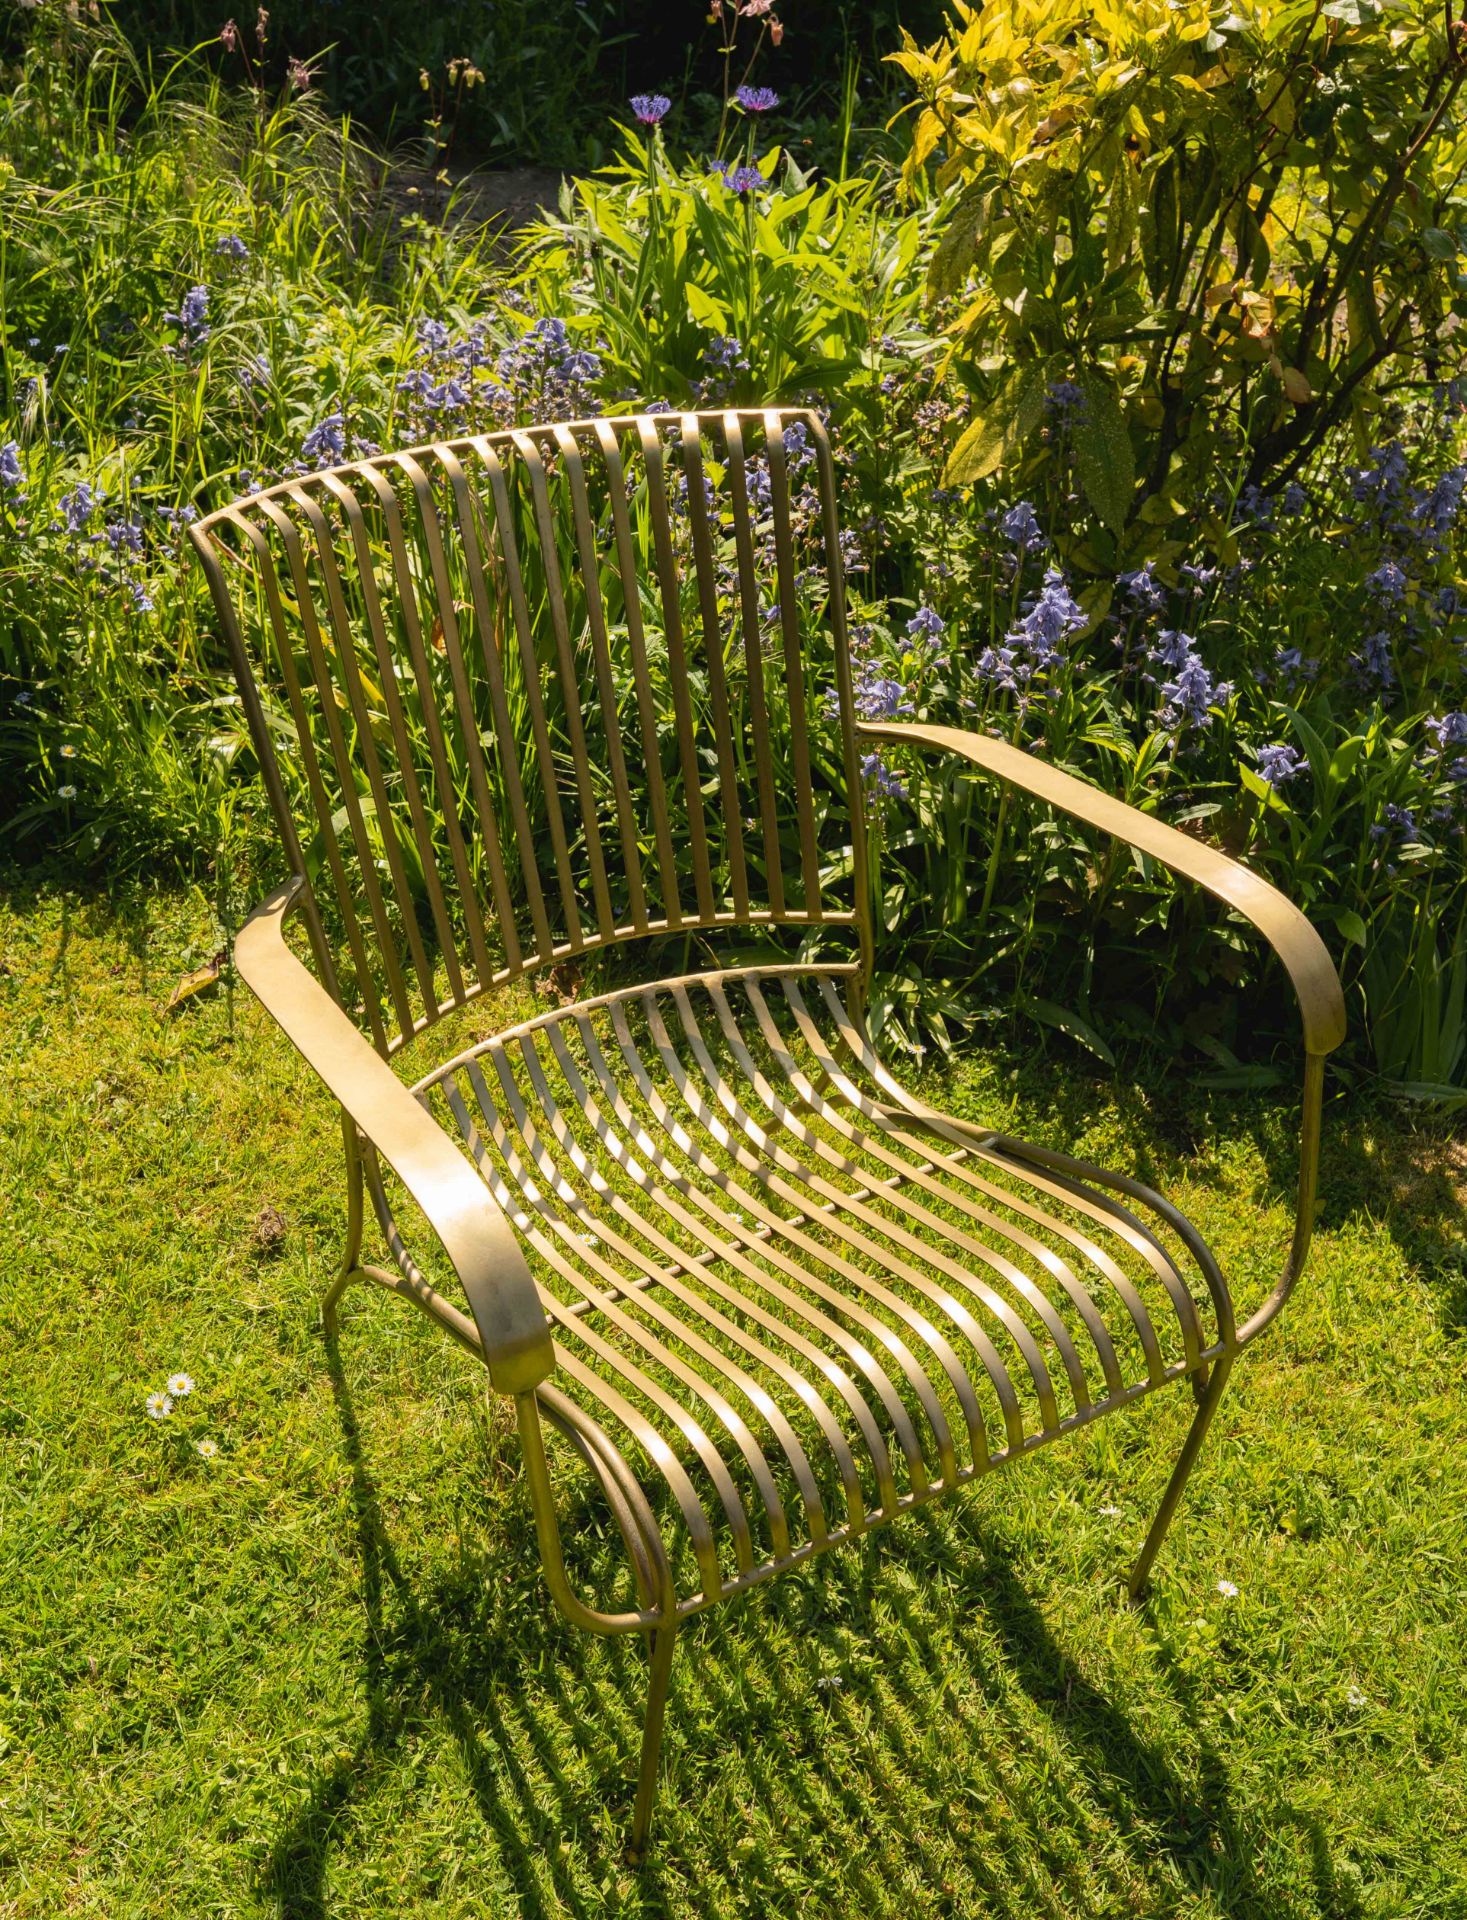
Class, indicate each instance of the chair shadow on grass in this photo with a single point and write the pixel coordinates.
(438, 1659)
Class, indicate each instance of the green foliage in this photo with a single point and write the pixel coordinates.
(1326, 618)
(1238, 229)
(667, 262)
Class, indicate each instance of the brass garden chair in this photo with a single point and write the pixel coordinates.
(523, 698)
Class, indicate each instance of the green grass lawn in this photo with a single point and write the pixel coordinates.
(315, 1672)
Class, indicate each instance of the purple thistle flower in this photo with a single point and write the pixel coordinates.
(757, 99)
(1278, 763)
(651, 108)
(740, 179)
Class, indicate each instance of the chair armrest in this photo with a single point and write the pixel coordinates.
(474, 1233)
(1293, 939)
(1287, 931)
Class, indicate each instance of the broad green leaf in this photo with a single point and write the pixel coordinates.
(1103, 455)
(1073, 1027)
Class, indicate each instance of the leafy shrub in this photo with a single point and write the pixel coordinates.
(1279, 668)
(1237, 232)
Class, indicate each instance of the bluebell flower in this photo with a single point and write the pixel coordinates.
(1438, 509)
(231, 247)
(325, 444)
(1279, 762)
(757, 99)
(658, 406)
(142, 600)
(1001, 666)
(1295, 501)
(12, 473)
(875, 770)
(1387, 583)
(1142, 588)
(1172, 647)
(876, 696)
(651, 108)
(1256, 506)
(193, 313)
(1448, 730)
(723, 359)
(1064, 398)
(1382, 483)
(177, 517)
(1291, 665)
(925, 629)
(1021, 526)
(1396, 823)
(796, 443)
(1192, 692)
(1049, 618)
(1374, 659)
(124, 535)
(1192, 695)
(78, 506)
(434, 338)
(255, 372)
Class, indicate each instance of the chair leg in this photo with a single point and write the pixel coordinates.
(663, 1640)
(355, 1213)
(1177, 1485)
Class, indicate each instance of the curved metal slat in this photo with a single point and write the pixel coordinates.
(879, 1238)
(939, 1229)
(667, 1277)
(923, 1178)
(559, 1184)
(1098, 1207)
(595, 1383)
(821, 1258)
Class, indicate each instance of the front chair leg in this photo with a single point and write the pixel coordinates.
(1176, 1486)
(351, 1251)
(663, 1641)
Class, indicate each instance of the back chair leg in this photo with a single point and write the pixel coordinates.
(1177, 1485)
(663, 1640)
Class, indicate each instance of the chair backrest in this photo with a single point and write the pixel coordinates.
(524, 695)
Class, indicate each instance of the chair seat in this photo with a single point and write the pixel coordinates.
(793, 1299)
